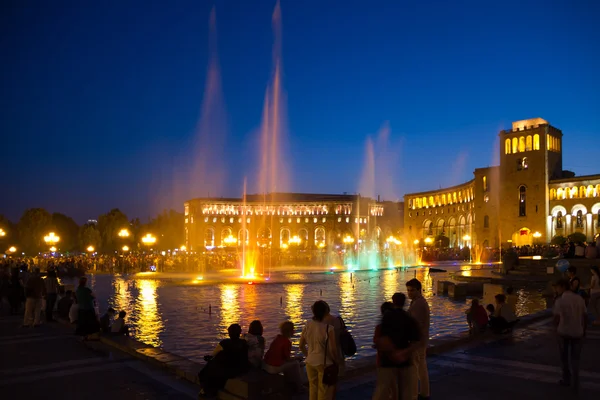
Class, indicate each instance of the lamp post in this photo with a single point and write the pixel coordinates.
(51, 240)
(12, 250)
(2, 233)
(148, 240)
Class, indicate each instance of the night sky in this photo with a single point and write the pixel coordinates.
(101, 100)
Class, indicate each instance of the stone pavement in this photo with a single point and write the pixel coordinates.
(50, 362)
(524, 366)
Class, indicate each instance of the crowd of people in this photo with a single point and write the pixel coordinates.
(42, 296)
(400, 339)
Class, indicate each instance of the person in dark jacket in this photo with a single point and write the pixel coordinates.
(229, 360)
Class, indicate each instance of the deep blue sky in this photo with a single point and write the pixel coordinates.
(100, 101)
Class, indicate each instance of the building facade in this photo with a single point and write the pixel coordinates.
(527, 199)
(282, 220)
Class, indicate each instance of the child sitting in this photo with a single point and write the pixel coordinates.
(118, 327)
(278, 358)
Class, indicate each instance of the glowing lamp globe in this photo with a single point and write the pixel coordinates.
(562, 265)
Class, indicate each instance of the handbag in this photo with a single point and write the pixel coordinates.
(330, 373)
(346, 340)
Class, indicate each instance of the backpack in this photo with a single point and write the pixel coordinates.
(346, 340)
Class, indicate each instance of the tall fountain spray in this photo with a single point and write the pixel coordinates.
(208, 169)
(272, 172)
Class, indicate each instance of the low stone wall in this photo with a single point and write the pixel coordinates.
(540, 267)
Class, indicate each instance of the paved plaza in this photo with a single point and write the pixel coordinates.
(525, 366)
(50, 362)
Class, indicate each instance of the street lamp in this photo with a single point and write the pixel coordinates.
(148, 240)
(537, 235)
(347, 240)
(2, 233)
(230, 240)
(51, 239)
(125, 249)
(428, 240)
(123, 233)
(90, 249)
(416, 242)
(183, 248)
(12, 249)
(296, 240)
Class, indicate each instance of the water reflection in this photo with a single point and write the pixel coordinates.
(122, 299)
(293, 303)
(390, 283)
(149, 323)
(347, 306)
(230, 310)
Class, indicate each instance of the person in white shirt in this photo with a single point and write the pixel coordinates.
(594, 305)
(318, 344)
(570, 319)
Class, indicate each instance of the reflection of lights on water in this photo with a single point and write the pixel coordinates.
(389, 285)
(293, 305)
(347, 296)
(467, 273)
(229, 306)
(149, 323)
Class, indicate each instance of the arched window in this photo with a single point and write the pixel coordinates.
(559, 220)
(579, 221)
(209, 237)
(582, 192)
(522, 201)
(536, 142)
(528, 143)
(524, 163)
(552, 194)
(507, 146)
(486, 221)
(548, 141)
(515, 145)
(521, 144)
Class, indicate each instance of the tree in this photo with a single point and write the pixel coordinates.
(577, 237)
(109, 226)
(34, 224)
(558, 240)
(89, 235)
(67, 229)
(442, 241)
(168, 228)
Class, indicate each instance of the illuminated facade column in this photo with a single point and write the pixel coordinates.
(589, 227)
(549, 228)
(568, 225)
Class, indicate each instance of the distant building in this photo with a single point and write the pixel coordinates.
(92, 222)
(527, 199)
(277, 220)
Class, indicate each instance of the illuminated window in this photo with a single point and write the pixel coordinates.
(528, 143)
(559, 220)
(582, 192)
(524, 163)
(507, 146)
(521, 144)
(552, 194)
(536, 142)
(515, 145)
(485, 186)
(548, 142)
(579, 221)
(522, 201)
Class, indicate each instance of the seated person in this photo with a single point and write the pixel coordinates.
(256, 344)
(64, 305)
(230, 359)
(504, 318)
(279, 357)
(477, 317)
(511, 299)
(106, 319)
(118, 327)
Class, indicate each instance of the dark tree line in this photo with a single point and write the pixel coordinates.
(27, 234)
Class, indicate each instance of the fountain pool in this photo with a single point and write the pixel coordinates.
(173, 312)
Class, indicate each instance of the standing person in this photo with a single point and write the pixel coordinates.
(34, 292)
(383, 388)
(87, 321)
(256, 343)
(574, 281)
(570, 319)
(594, 305)
(419, 310)
(398, 341)
(338, 326)
(51, 284)
(318, 344)
(399, 299)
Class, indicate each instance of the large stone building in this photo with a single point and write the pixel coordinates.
(527, 199)
(282, 220)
